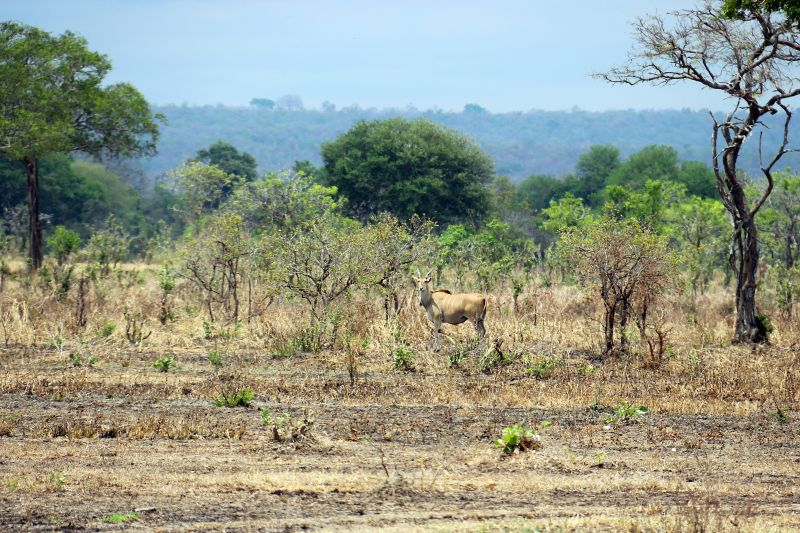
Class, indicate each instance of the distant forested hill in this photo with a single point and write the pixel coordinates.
(521, 144)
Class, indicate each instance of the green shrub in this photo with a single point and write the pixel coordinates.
(56, 480)
(403, 358)
(241, 397)
(165, 364)
(78, 359)
(215, 358)
(108, 329)
(519, 437)
(625, 413)
(456, 358)
(63, 243)
(286, 427)
(542, 369)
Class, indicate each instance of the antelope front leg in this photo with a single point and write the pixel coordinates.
(437, 343)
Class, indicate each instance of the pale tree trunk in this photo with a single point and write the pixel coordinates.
(34, 226)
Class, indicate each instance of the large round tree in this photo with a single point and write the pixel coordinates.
(52, 100)
(409, 167)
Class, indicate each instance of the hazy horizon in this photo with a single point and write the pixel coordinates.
(512, 56)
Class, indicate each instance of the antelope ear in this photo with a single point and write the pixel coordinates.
(419, 274)
(428, 275)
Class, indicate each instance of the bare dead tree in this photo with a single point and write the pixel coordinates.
(753, 60)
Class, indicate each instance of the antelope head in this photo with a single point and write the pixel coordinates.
(423, 284)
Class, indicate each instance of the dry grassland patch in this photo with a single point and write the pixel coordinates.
(393, 447)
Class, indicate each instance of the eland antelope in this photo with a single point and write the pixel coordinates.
(444, 307)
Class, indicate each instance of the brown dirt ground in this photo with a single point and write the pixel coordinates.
(397, 451)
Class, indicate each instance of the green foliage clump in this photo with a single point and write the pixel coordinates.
(403, 358)
(409, 167)
(108, 329)
(286, 427)
(225, 156)
(520, 437)
(109, 246)
(216, 359)
(56, 480)
(625, 412)
(202, 188)
(542, 369)
(63, 243)
(241, 397)
(165, 364)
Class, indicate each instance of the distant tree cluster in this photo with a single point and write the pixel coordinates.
(519, 144)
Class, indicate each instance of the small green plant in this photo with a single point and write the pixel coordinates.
(108, 329)
(403, 358)
(781, 414)
(600, 459)
(286, 427)
(208, 331)
(284, 348)
(165, 364)
(455, 359)
(519, 437)
(215, 358)
(56, 480)
(241, 397)
(78, 359)
(624, 413)
(586, 369)
(542, 369)
(493, 357)
(58, 342)
(121, 518)
(12, 483)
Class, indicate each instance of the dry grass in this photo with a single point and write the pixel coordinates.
(393, 450)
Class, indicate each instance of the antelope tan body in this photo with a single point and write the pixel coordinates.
(444, 307)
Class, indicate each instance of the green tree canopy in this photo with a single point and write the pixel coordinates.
(740, 8)
(661, 163)
(656, 162)
(228, 158)
(52, 101)
(409, 167)
(593, 169)
(538, 190)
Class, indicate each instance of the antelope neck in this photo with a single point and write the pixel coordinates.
(425, 298)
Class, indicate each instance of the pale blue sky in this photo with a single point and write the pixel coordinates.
(506, 55)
